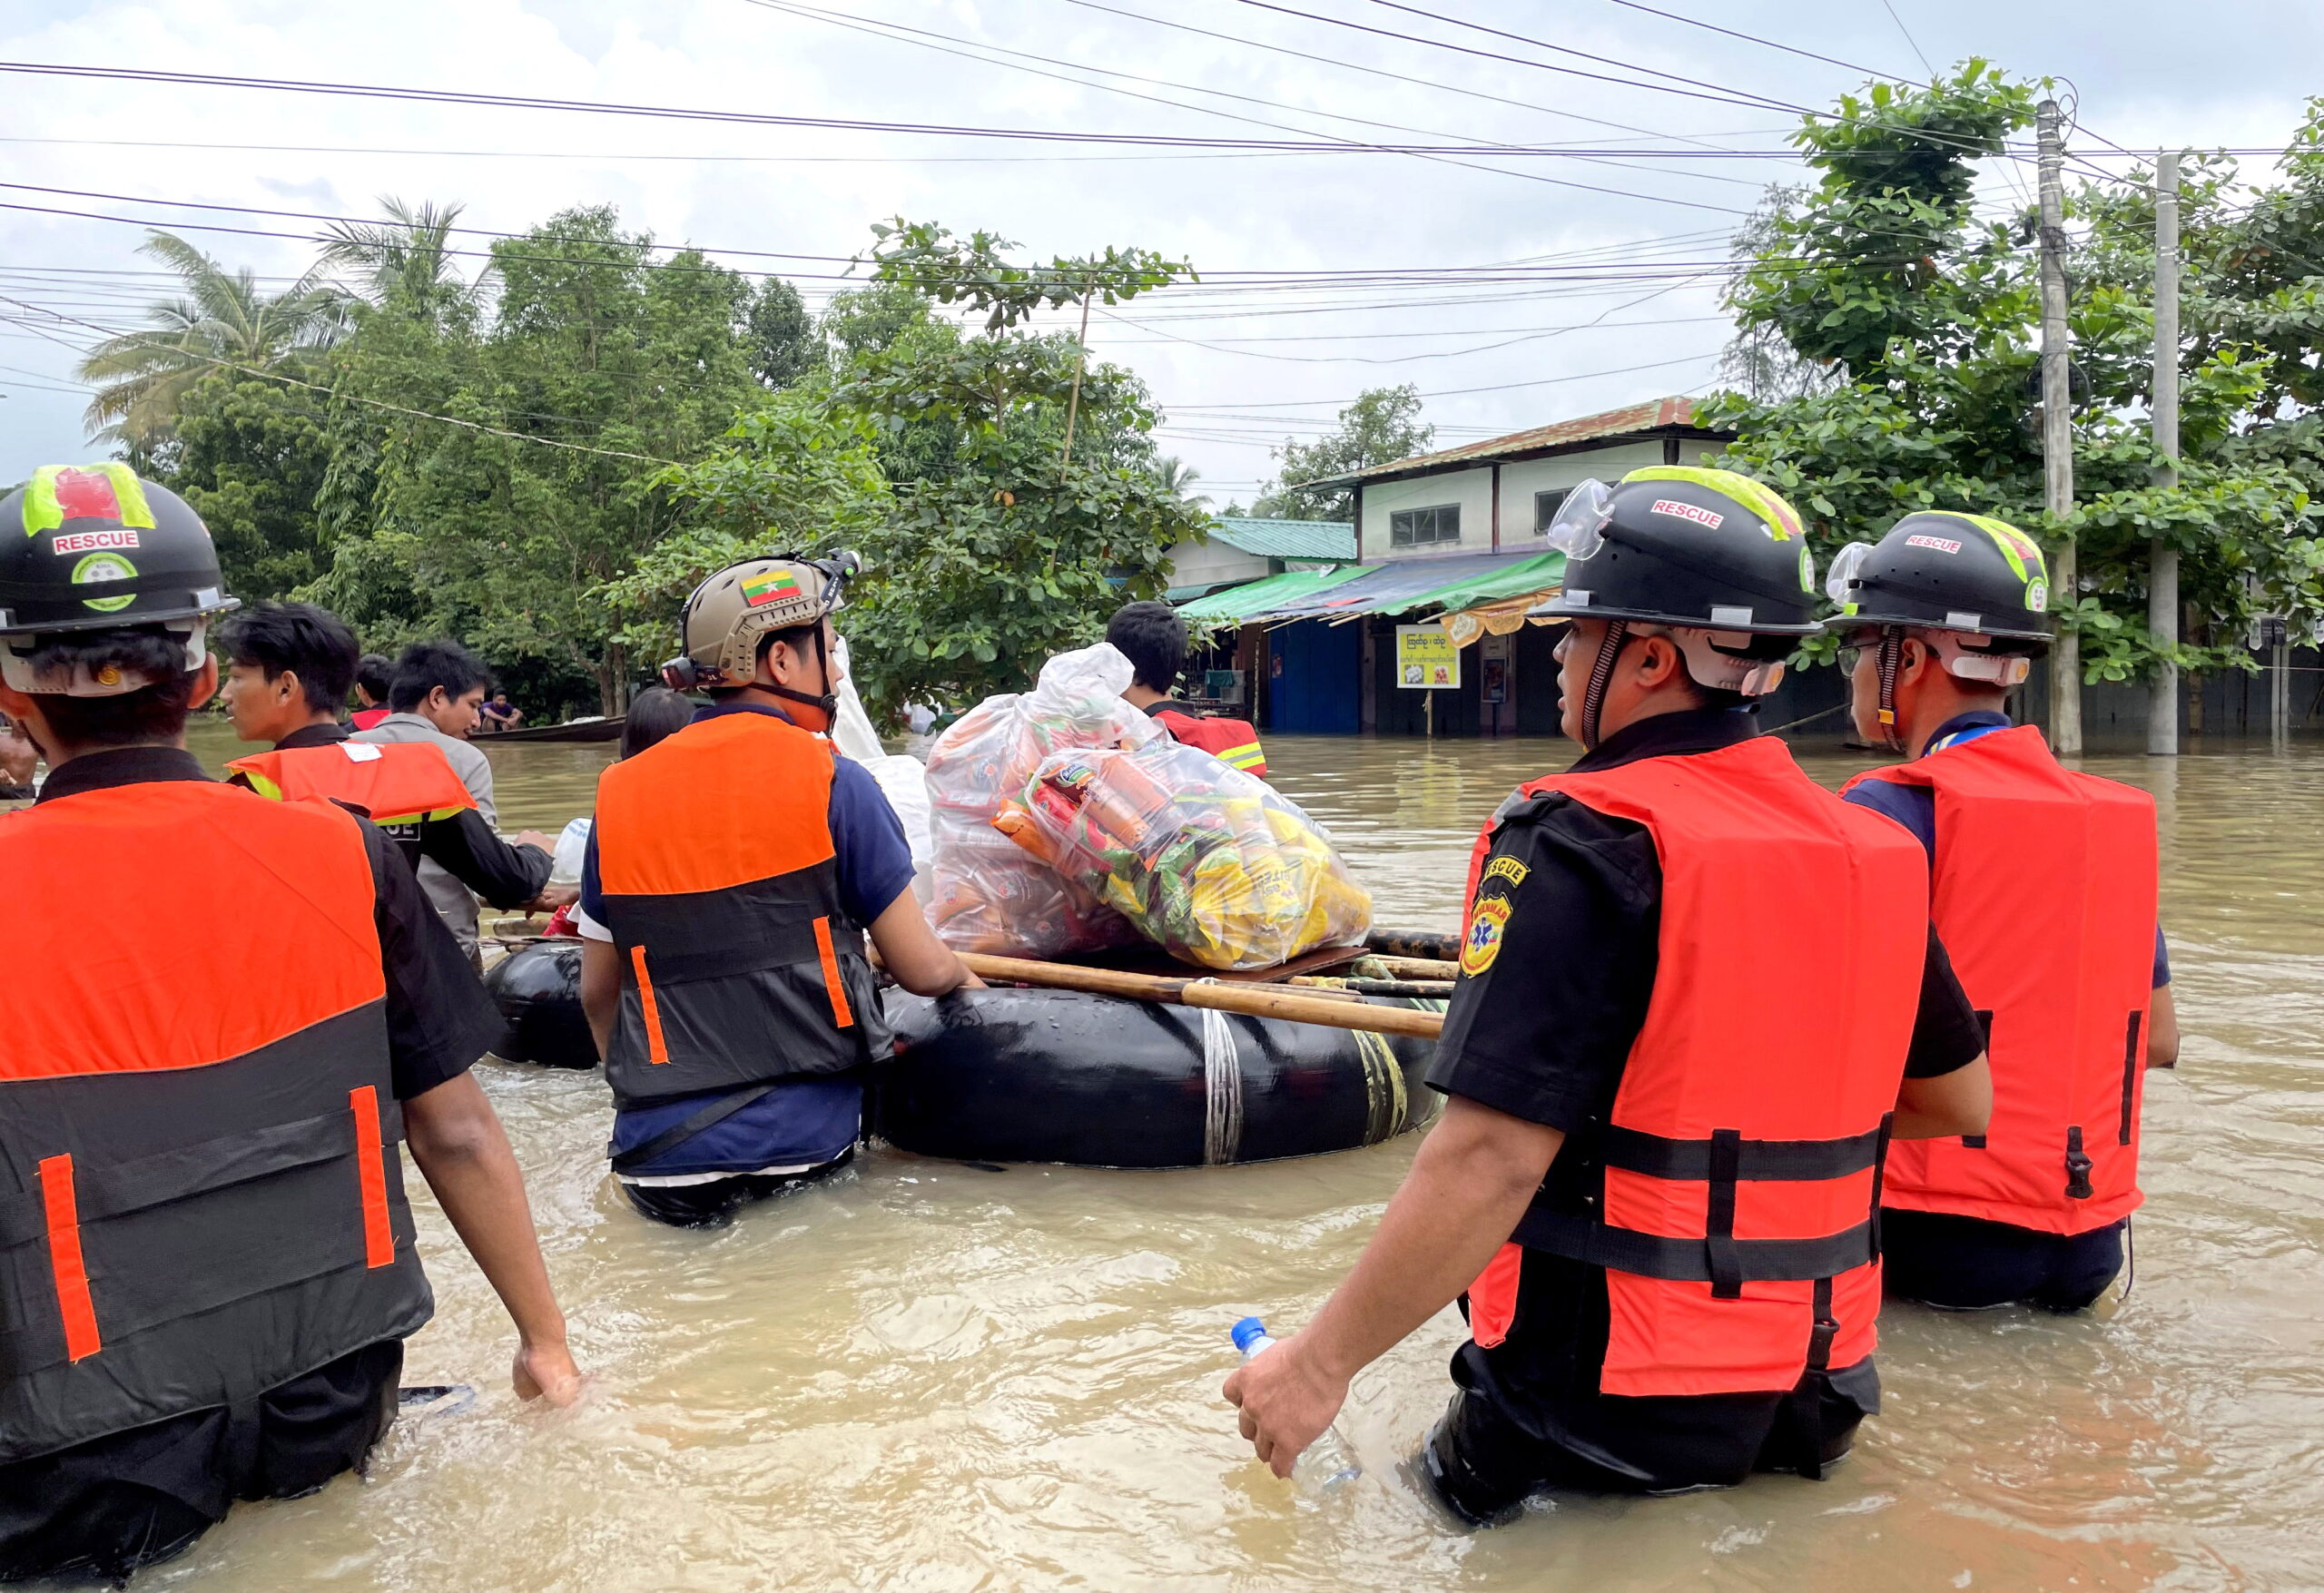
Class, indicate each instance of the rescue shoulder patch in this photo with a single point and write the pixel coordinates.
(1509, 868)
(1482, 943)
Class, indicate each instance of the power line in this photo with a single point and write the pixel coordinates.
(225, 364)
(882, 28)
(742, 118)
(1396, 76)
(1755, 39)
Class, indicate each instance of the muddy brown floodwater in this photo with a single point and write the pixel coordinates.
(929, 1377)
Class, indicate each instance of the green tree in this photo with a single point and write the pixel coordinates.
(783, 344)
(792, 477)
(999, 549)
(602, 364)
(224, 321)
(407, 262)
(1383, 425)
(1928, 319)
(250, 455)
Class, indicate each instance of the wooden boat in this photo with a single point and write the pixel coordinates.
(572, 730)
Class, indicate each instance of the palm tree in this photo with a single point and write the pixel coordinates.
(408, 257)
(1176, 476)
(223, 323)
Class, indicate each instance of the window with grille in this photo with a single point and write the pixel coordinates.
(1430, 527)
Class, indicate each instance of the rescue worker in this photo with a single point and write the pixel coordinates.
(205, 1251)
(1153, 638)
(438, 697)
(288, 669)
(374, 679)
(2044, 886)
(731, 871)
(1687, 1020)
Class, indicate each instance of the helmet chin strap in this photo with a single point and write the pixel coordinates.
(1885, 661)
(1601, 675)
(829, 701)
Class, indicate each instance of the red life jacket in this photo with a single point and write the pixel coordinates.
(721, 888)
(2045, 894)
(1230, 740)
(1742, 1152)
(398, 783)
(201, 1197)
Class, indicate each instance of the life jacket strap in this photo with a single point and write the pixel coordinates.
(1786, 1161)
(678, 1133)
(1582, 1238)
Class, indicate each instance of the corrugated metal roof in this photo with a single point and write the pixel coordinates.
(1655, 415)
(1314, 541)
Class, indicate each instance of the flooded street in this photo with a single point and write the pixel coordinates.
(929, 1377)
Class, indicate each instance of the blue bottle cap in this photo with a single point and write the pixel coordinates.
(1245, 1330)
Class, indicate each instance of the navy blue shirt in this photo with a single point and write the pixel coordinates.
(808, 1121)
(1915, 806)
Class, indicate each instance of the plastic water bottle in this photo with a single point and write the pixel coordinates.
(1328, 1463)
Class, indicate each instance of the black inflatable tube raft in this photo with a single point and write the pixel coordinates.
(1101, 1081)
(1061, 1076)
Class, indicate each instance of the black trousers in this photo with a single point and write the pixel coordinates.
(713, 1204)
(101, 1510)
(1484, 1463)
(1966, 1264)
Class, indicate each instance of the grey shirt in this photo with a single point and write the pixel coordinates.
(454, 902)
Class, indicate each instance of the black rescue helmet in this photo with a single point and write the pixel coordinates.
(1940, 571)
(91, 547)
(1676, 544)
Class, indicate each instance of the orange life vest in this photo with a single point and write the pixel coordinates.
(2044, 895)
(721, 886)
(1230, 740)
(398, 783)
(200, 1192)
(1742, 1152)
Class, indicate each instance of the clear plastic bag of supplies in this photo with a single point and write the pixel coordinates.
(1211, 863)
(990, 895)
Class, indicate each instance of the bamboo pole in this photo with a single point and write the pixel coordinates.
(1306, 1006)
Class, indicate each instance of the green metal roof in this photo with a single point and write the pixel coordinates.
(1533, 574)
(1315, 541)
(1253, 598)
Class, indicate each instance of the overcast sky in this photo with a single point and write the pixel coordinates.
(1236, 365)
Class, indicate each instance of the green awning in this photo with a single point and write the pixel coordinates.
(1253, 598)
(1533, 574)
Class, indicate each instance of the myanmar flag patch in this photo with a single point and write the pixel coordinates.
(771, 586)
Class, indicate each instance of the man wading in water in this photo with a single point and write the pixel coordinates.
(204, 1247)
(731, 874)
(2044, 887)
(1695, 999)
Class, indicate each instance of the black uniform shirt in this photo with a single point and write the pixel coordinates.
(464, 846)
(1543, 1034)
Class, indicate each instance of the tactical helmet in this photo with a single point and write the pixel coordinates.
(1939, 571)
(91, 547)
(728, 615)
(1676, 544)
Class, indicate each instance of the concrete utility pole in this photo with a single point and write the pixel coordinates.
(2057, 430)
(2162, 560)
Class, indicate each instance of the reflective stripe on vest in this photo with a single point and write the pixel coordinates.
(2044, 896)
(398, 783)
(721, 889)
(199, 1194)
(1743, 1149)
(1230, 740)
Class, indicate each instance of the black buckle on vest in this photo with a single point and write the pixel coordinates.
(2078, 1167)
(1807, 1398)
(1726, 1265)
